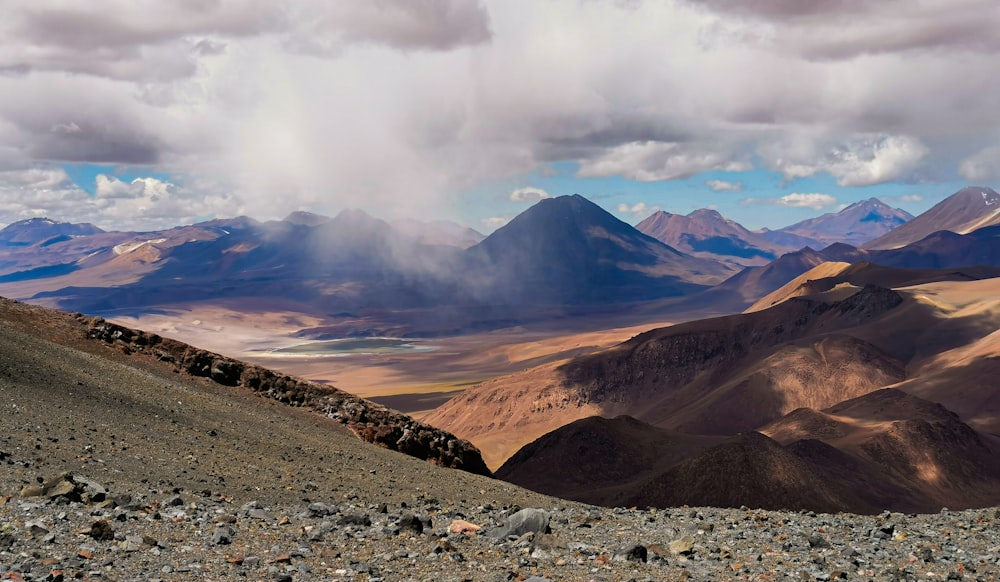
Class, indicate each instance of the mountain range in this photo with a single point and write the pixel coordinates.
(854, 225)
(850, 379)
(706, 233)
(565, 251)
(856, 378)
(963, 212)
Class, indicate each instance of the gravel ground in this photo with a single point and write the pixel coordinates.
(73, 528)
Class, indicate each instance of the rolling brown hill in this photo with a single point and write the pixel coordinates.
(833, 275)
(732, 374)
(973, 252)
(883, 450)
(587, 460)
(908, 441)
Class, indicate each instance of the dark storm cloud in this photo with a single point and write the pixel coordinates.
(619, 131)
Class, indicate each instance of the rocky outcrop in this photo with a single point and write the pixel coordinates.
(372, 422)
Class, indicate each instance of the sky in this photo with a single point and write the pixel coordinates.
(143, 114)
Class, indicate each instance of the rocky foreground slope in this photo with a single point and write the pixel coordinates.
(117, 466)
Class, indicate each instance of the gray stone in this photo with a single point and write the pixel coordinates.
(321, 509)
(409, 523)
(358, 519)
(524, 521)
(223, 535)
(636, 553)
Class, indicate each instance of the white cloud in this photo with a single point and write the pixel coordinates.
(652, 161)
(982, 166)
(36, 178)
(815, 201)
(724, 186)
(142, 204)
(863, 160)
(637, 210)
(528, 194)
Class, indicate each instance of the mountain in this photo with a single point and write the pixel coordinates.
(964, 211)
(568, 250)
(303, 218)
(752, 283)
(438, 232)
(724, 375)
(787, 239)
(563, 255)
(42, 230)
(940, 251)
(885, 450)
(857, 224)
(707, 234)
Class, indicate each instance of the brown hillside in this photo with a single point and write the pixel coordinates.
(914, 443)
(584, 458)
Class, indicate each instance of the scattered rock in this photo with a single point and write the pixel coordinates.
(223, 535)
(682, 547)
(410, 523)
(355, 519)
(524, 521)
(636, 553)
(460, 526)
(101, 531)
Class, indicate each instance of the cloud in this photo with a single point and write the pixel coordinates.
(724, 186)
(655, 161)
(410, 106)
(422, 25)
(864, 160)
(528, 194)
(844, 29)
(155, 41)
(639, 209)
(982, 166)
(814, 201)
(904, 198)
(142, 204)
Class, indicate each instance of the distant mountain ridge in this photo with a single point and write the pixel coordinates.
(854, 225)
(38, 230)
(964, 211)
(564, 251)
(706, 233)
